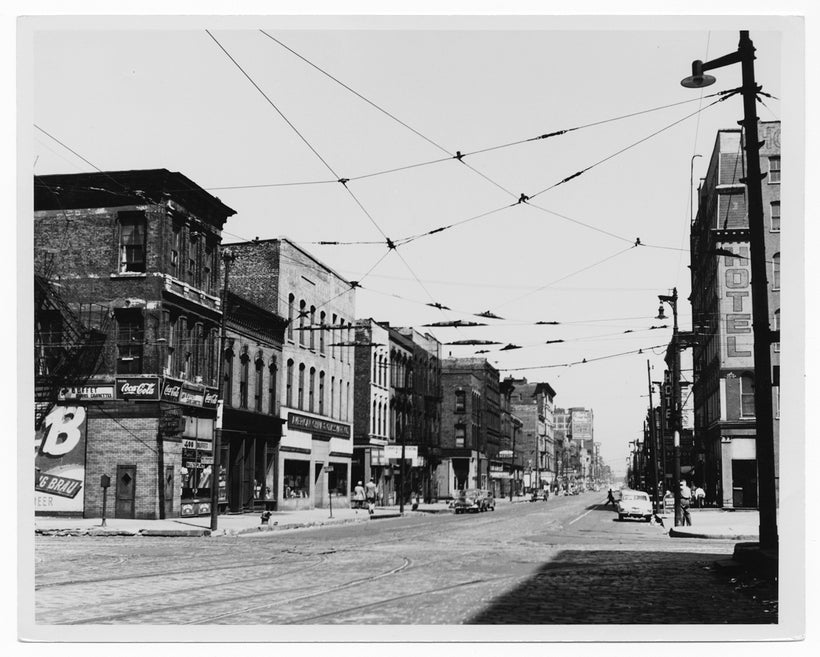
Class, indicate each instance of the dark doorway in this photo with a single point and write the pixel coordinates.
(169, 491)
(744, 483)
(461, 471)
(319, 485)
(126, 488)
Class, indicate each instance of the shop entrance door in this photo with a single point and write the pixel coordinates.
(319, 486)
(744, 483)
(126, 488)
(168, 484)
(237, 458)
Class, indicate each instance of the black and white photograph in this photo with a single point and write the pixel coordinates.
(411, 328)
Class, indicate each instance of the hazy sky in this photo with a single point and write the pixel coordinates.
(127, 94)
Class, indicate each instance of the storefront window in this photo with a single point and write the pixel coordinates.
(337, 480)
(296, 479)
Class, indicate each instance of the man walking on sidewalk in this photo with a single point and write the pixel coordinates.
(685, 503)
(370, 495)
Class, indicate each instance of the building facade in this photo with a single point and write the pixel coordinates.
(534, 405)
(127, 323)
(723, 361)
(316, 379)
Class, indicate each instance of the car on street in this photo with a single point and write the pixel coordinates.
(474, 499)
(634, 504)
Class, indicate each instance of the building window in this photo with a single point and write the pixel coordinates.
(176, 231)
(289, 384)
(776, 271)
(291, 301)
(776, 327)
(461, 435)
(244, 371)
(258, 386)
(775, 214)
(322, 317)
(130, 337)
(302, 317)
(461, 401)
(774, 169)
(300, 397)
(312, 327)
(373, 424)
(375, 369)
(332, 395)
(347, 402)
(747, 396)
(272, 374)
(321, 393)
(208, 269)
(227, 377)
(132, 241)
(311, 389)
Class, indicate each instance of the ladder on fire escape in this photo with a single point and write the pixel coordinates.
(66, 353)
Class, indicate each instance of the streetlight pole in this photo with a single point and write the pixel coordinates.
(672, 300)
(653, 450)
(227, 258)
(764, 435)
(512, 464)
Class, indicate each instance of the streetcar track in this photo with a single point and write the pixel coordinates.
(340, 587)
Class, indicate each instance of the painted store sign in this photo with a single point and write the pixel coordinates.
(318, 425)
(59, 461)
(86, 392)
(134, 388)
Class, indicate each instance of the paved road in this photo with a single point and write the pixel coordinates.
(566, 561)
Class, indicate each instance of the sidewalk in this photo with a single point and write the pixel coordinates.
(227, 524)
(716, 524)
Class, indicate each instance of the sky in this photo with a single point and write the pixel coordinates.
(271, 139)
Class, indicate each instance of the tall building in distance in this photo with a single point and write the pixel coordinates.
(723, 360)
(534, 405)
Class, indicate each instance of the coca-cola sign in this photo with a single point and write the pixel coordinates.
(132, 388)
(171, 388)
(211, 398)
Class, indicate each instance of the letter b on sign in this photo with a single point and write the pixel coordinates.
(63, 430)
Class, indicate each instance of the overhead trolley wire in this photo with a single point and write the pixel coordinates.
(583, 361)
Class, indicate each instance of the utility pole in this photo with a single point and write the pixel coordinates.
(672, 300)
(764, 435)
(227, 258)
(401, 466)
(653, 445)
(512, 464)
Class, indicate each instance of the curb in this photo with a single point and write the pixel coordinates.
(675, 533)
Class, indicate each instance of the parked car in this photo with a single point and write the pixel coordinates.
(634, 504)
(539, 495)
(474, 499)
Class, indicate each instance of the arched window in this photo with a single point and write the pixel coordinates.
(227, 377)
(289, 384)
(373, 423)
(776, 327)
(747, 396)
(332, 396)
(311, 389)
(302, 317)
(375, 369)
(300, 396)
(291, 301)
(776, 271)
(312, 327)
(322, 317)
(321, 393)
(273, 373)
(258, 384)
(243, 380)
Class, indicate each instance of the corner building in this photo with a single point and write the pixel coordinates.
(127, 315)
(315, 453)
(723, 355)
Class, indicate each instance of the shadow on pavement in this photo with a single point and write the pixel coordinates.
(633, 587)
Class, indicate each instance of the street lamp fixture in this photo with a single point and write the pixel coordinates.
(764, 434)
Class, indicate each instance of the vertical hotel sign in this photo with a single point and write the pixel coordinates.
(735, 291)
(59, 461)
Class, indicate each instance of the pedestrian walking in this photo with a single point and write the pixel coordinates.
(700, 496)
(370, 496)
(610, 499)
(358, 496)
(685, 503)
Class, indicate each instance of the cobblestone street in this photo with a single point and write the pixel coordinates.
(565, 562)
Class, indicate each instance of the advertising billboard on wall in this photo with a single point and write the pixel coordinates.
(734, 287)
(59, 461)
(581, 425)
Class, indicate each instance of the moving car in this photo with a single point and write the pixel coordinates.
(634, 504)
(474, 499)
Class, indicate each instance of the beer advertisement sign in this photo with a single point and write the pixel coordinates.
(59, 461)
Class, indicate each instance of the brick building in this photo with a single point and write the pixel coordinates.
(534, 404)
(723, 360)
(127, 315)
(317, 377)
(470, 424)
(511, 474)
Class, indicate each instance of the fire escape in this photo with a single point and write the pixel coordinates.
(67, 344)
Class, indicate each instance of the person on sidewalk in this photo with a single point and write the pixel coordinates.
(685, 503)
(700, 495)
(358, 496)
(370, 496)
(610, 499)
